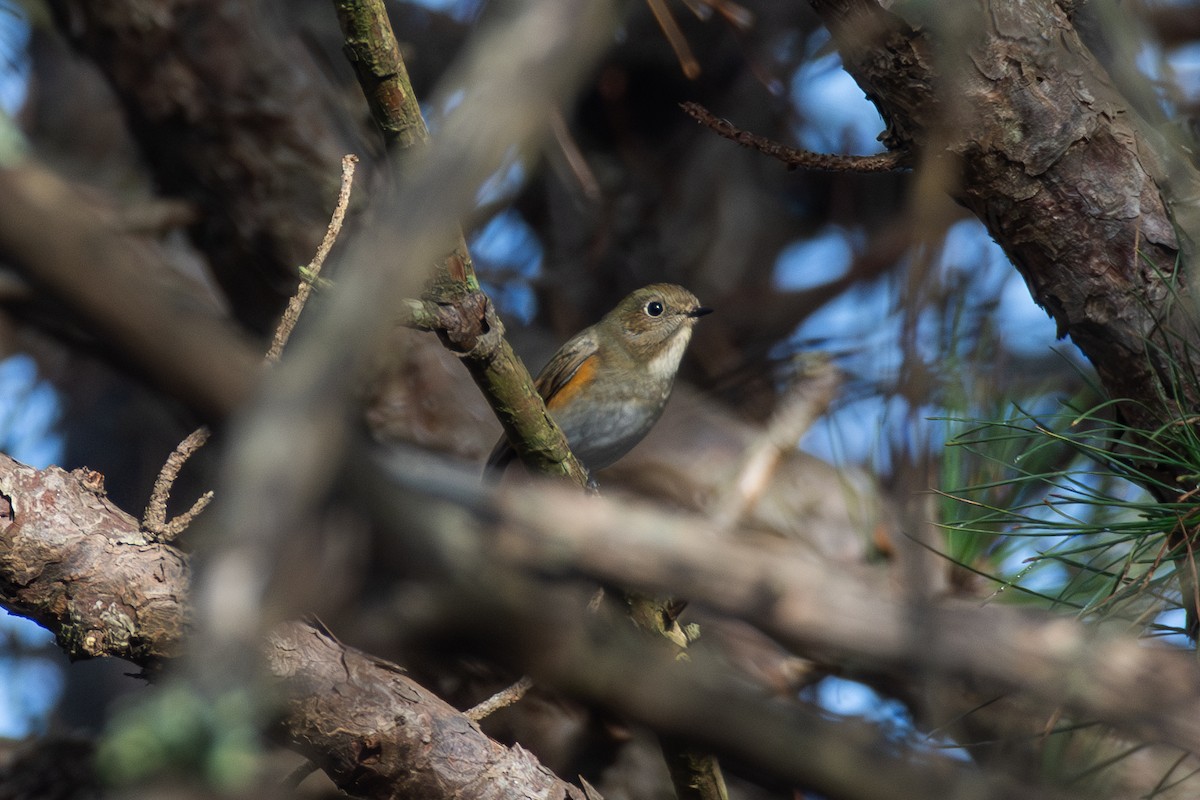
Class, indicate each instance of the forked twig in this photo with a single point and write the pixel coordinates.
(154, 520)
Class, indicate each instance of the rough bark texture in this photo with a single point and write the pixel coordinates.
(78, 565)
(1073, 185)
(233, 119)
(379, 734)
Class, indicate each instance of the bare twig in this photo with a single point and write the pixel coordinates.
(154, 520)
(313, 270)
(501, 699)
(795, 157)
(575, 161)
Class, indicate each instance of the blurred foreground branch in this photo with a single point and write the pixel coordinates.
(821, 609)
(123, 288)
(579, 652)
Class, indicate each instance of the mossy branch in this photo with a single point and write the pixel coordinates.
(454, 307)
(372, 51)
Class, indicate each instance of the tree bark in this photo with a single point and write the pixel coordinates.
(79, 566)
(378, 734)
(1094, 207)
(232, 119)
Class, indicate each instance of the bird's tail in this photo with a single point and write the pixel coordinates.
(502, 455)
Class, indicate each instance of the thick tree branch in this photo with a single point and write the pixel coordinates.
(79, 566)
(379, 734)
(83, 568)
(1094, 208)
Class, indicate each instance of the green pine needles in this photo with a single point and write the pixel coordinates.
(1075, 509)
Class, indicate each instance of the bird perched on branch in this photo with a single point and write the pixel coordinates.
(607, 386)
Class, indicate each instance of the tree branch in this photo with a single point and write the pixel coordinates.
(379, 734)
(791, 156)
(827, 611)
(1093, 206)
(123, 288)
(466, 315)
(82, 568)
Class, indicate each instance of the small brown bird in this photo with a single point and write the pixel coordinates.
(607, 386)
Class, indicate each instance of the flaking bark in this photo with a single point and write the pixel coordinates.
(1093, 206)
(379, 734)
(82, 568)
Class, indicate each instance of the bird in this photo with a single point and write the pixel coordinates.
(608, 385)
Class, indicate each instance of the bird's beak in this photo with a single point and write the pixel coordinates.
(699, 311)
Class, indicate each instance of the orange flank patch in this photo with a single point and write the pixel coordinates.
(580, 380)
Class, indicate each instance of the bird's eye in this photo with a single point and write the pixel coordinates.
(654, 308)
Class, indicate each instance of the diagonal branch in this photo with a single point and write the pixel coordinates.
(795, 157)
(467, 322)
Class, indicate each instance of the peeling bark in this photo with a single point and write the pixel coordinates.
(379, 734)
(79, 566)
(1090, 203)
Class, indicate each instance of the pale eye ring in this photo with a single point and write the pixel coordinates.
(654, 308)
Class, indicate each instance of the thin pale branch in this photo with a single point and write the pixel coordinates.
(313, 272)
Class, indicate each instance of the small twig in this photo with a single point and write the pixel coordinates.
(154, 521)
(501, 699)
(313, 270)
(576, 162)
(795, 157)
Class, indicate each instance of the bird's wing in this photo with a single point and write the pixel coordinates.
(571, 369)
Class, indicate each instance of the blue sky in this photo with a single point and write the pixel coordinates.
(30, 682)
